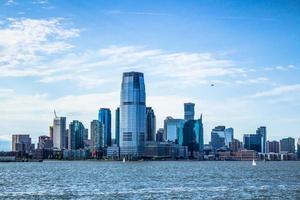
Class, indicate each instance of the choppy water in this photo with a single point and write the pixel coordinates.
(149, 180)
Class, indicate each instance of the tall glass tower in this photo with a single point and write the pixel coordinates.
(105, 118)
(132, 114)
(189, 111)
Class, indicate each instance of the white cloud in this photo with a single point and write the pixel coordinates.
(278, 91)
(281, 68)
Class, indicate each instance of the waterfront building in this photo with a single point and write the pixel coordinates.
(150, 124)
(76, 135)
(272, 147)
(263, 132)
(113, 152)
(189, 111)
(51, 132)
(235, 145)
(221, 137)
(253, 142)
(117, 126)
(45, 142)
(132, 114)
(162, 150)
(193, 136)
(298, 148)
(160, 135)
(287, 145)
(22, 143)
(59, 133)
(105, 118)
(97, 135)
(86, 134)
(173, 130)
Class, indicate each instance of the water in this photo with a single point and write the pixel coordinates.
(150, 180)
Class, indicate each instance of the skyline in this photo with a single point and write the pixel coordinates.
(253, 62)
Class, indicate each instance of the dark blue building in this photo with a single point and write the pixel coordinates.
(253, 142)
(117, 126)
(105, 118)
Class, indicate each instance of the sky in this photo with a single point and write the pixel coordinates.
(69, 56)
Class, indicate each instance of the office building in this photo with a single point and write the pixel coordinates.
(76, 135)
(263, 132)
(272, 147)
(117, 126)
(253, 142)
(193, 136)
(86, 134)
(105, 118)
(150, 124)
(298, 148)
(221, 137)
(235, 145)
(189, 111)
(22, 143)
(173, 129)
(132, 114)
(45, 142)
(59, 133)
(97, 135)
(287, 145)
(160, 135)
(51, 132)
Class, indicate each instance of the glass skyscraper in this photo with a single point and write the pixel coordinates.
(105, 118)
(132, 114)
(263, 132)
(117, 126)
(97, 135)
(189, 111)
(76, 135)
(59, 133)
(150, 124)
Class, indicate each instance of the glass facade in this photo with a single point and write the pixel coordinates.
(117, 126)
(150, 124)
(132, 114)
(189, 111)
(76, 135)
(59, 133)
(97, 135)
(263, 132)
(174, 129)
(253, 142)
(105, 118)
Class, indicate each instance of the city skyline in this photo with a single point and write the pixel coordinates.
(206, 57)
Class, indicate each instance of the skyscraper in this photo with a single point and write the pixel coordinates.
(150, 124)
(59, 133)
(263, 132)
(253, 142)
(76, 135)
(193, 136)
(298, 148)
(132, 114)
(272, 147)
(189, 111)
(117, 126)
(105, 118)
(22, 143)
(174, 129)
(97, 135)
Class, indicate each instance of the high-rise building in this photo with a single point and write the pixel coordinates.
(287, 145)
(235, 145)
(193, 136)
(59, 133)
(97, 135)
(22, 143)
(117, 126)
(298, 148)
(45, 142)
(105, 118)
(51, 132)
(160, 135)
(253, 142)
(189, 111)
(221, 137)
(272, 147)
(76, 135)
(150, 124)
(263, 132)
(174, 129)
(132, 114)
(86, 134)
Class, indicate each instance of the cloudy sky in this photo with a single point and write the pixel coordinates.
(70, 56)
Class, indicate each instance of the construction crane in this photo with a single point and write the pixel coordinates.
(55, 114)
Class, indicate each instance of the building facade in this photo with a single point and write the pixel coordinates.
(105, 118)
(76, 135)
(59, 133)
(287, 145)
(253, 142)
(22, 143)
(150, 124)
(272, 147)
(132, 114)
(117, 127)
(45, 142)
(263, 132)
(97, 135)
(189, 111)
(174, 129)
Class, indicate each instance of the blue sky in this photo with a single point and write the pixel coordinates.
(70, 55)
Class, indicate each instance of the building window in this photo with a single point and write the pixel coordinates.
(127, 136)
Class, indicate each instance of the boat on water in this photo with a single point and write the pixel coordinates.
(253, 162)
(124, 160)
